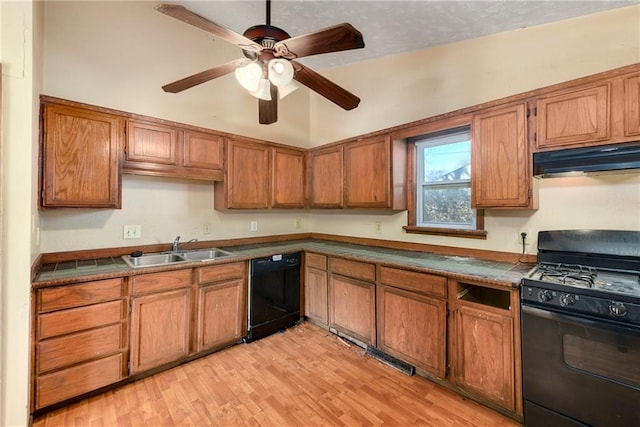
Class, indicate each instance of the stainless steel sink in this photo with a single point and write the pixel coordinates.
(170, 258)
(153, 260)
(204, 254)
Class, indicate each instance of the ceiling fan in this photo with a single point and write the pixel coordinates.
(268, 69)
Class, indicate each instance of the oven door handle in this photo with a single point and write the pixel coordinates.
(580, 320)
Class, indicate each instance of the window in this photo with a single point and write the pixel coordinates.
(443, 184)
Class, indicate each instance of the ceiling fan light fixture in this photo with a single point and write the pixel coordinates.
(280, 72)
(287, 89)
(249, 76)
(263, 91)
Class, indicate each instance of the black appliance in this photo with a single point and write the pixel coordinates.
(581, 330)
(274, 294)
(603, 158)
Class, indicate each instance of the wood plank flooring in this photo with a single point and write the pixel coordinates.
(304, 376)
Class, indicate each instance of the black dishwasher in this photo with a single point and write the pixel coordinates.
(274, 294)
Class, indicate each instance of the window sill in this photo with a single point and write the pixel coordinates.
(451, 232)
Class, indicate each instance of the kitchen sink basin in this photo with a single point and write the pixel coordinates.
(170, 258)
(204, 254)
(153, 260)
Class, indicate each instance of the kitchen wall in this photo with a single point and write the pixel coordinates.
(402, 88)
(20, 55)
(125, 69)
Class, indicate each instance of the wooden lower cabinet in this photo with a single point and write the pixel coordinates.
(160, 320)
(483, 346)
(80, 338)
(412, 327)
(221, 306)
(352, 308)
(316, 289)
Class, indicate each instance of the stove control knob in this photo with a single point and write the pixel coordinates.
(617, 309)
(545, 295)
(567, 299)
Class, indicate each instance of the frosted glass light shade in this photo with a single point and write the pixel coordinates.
(280, 72)
(249, 76)
(263, 91)
(287, 89)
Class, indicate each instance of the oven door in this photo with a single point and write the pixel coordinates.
(579, 370)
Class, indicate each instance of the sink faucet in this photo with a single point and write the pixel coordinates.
(176, 243)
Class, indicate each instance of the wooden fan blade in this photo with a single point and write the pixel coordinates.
(204, 76)
(324, 87)
(332, 39)
(268, 110)
(185, 15)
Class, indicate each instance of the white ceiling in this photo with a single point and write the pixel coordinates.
(395, 26)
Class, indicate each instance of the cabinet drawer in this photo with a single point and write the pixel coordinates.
(78, 319)
(316, 261)
(61, 385)
(216, 273)
(154, 282)
(71, 349)
(62, 297)
(426, 283)
(355, 269)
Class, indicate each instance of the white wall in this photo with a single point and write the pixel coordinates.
(21, 76)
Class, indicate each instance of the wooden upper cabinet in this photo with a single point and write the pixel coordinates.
(326, 178)
(203, 150)
(500, 159)
(148, 142)
(579, 116)
(631, 105)
(248, 171)
(288, 178)
(166, 150)
(374, 171)
(81, 157)
(598, 112)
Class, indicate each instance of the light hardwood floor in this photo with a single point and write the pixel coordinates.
(304, 376)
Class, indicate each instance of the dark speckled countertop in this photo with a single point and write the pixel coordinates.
(494, 272)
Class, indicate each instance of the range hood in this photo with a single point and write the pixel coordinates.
(579, 161)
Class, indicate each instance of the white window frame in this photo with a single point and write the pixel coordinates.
(449, 136)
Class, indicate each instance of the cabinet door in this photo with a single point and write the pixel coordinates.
(159, 328)
(352, 308)
(483, 361)
(315, 295)
(288, 180)
(576, 117)
(412, 328)
(632, 105)
(325, 178)
(220, 314)
(82, 158)
(367, 171)
(203, 150)
(500, 159)
(248, 172)
(152, 143)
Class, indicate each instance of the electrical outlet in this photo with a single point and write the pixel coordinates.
(298, 223)
(206, 228)
(131, 232)
(254, 226)
(377, 226)
(527, 239)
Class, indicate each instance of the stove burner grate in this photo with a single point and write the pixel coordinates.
(569, 274)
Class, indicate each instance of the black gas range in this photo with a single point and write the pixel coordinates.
(581, 330)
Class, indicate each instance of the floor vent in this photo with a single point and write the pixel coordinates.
(401, 366)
